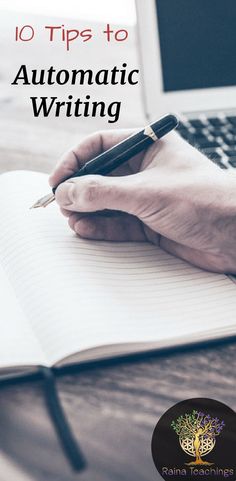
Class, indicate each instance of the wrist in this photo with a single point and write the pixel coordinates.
(227, 225)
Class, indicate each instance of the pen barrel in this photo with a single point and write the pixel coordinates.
(111, 159)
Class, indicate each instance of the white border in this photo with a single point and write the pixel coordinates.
(156, 100)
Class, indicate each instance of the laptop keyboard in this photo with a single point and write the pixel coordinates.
(214, 136)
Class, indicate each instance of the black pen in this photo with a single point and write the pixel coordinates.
(112, 158)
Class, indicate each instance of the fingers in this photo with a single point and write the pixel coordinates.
(87, 149)
(93, 193)
(116, 227)
(65, 212)
(74, 159)
(204, 260)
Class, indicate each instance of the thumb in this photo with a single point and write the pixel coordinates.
(92, 193)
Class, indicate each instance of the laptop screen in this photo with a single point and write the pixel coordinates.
(198, 43)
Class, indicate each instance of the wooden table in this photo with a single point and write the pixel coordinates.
(112, 410)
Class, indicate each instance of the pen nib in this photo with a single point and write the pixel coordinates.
(44, 201)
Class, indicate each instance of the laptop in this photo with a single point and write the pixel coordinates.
(188, 64)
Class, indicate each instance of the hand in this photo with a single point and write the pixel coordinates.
(171, 195)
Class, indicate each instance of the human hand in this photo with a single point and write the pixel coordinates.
(170, 194)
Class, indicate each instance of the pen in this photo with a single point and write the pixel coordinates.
(115, 156)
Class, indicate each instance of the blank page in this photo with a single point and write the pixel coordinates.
(81, 294)
(18, 343)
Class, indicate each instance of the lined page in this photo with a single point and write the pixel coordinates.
(80, 294)
(18, 343)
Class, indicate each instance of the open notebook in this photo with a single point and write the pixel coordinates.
(64, 299)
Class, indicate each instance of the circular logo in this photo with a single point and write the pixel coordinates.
(196, 439)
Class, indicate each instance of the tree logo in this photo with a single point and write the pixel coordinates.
(195, 440)
(197, 433)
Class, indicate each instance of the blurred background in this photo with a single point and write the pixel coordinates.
(99, 11)
(36, 143)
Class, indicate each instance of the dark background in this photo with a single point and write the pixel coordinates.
(166, 449)
(198, 43)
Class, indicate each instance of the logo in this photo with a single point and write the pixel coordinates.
(196, 439)
(197, 433)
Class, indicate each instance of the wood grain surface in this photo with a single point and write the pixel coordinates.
(112, 410)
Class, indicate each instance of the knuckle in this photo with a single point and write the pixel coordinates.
(92, 192)
(96, 139)
(65, 161)
(65, 166)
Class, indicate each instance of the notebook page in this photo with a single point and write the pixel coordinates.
(80, 294)
(18, 344)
